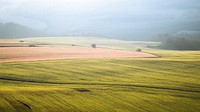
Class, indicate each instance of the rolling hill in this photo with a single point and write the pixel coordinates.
(13, 30)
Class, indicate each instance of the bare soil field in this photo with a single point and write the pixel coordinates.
(18, 54)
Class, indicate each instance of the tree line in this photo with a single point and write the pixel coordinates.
(180, 43)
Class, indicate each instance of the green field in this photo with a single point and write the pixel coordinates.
(167, 84)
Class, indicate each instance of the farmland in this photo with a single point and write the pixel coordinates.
(53, 52)
(167, 84)
(83, 42)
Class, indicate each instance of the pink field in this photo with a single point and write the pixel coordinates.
(18, 54)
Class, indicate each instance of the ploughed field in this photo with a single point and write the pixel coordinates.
(54, 48)
(14, 54)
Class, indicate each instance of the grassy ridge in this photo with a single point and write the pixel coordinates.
(170, 83)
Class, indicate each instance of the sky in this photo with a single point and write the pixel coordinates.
(114, 18)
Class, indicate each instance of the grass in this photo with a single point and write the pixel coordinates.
(167, 84)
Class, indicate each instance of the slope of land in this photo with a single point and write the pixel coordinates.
(167, 84)
(13, 30)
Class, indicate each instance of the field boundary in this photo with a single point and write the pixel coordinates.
(100, 84)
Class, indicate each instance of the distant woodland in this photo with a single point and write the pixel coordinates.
(182, 41)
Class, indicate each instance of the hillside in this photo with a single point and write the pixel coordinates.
(13, 30)
(167, 84)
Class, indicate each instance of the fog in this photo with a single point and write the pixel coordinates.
(123, 19)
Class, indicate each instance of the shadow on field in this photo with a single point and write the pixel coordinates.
(82, 90)
(25, 104)
(19, 106)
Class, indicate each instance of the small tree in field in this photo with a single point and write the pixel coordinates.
(93, 46)
(139, 50)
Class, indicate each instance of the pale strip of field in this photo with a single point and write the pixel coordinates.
(101, 42)
(17, 54)
(24, 44)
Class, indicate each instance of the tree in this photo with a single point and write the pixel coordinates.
(93, 45)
